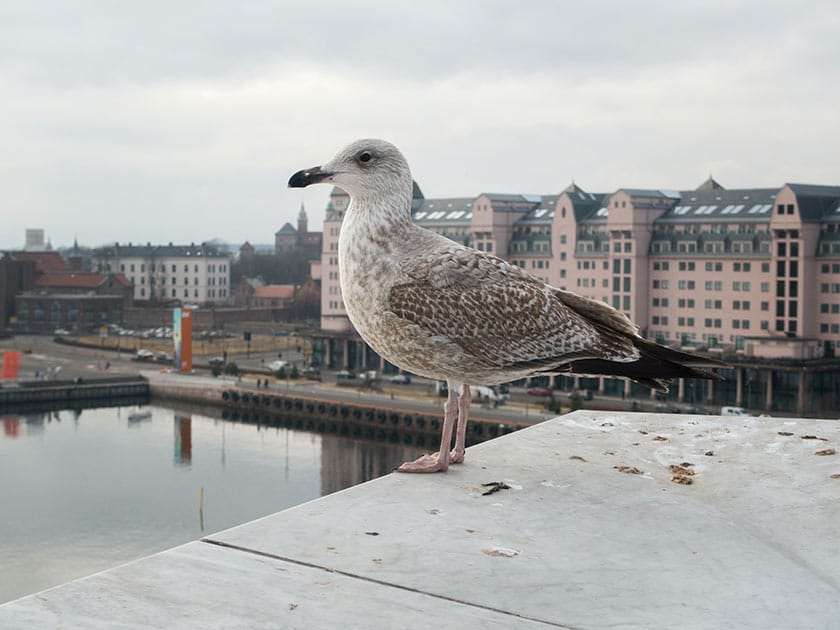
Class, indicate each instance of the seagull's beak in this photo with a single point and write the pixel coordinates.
(308, 176)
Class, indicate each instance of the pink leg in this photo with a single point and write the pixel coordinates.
(438, 462)
(457, 454)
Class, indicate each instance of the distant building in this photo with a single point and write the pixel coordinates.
(246, 250)
(77, 302)
(273, 296)
(18, 273)
(184, 274)
(245, 289)
(299, 241)
(45, 262)
(35, 241)
(745, 272)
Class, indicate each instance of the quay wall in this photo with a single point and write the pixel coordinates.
(74, 393)
(361, 420)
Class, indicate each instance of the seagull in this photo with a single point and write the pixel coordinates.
(452, 313)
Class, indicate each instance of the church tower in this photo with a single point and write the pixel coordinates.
(302, 221)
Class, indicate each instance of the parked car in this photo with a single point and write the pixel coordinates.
(163, 356)
(311, 373)
(145, 355)
(485, 395)
(734, 411)
(668, 408)
(275, 366)
(539, 391)
(344, 375)
(61, 331)
(401, 379)
(216, 361)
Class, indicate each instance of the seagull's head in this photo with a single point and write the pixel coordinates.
(362, 168)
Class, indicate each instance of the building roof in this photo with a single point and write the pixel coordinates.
(280, 291)
(44, 261)
(79, 280)
(817, 203)
(720, 205)
(710, 184)
(542, 213)
(455, 211)
(202, 250)
(287, 228)
(254, 282)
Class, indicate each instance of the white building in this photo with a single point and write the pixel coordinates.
(189, 274)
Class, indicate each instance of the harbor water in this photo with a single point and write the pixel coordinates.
(84, 491)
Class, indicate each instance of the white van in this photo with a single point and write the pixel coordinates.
(484, 394)
(734, 411)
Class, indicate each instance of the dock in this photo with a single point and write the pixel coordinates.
(33, 396)
(589, 520)
(376, 418)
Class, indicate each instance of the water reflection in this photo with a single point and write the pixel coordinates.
(183, 439)
(86, 491)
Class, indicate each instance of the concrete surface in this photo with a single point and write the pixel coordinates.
(593, 531)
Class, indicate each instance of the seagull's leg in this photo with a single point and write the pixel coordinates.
(457, 454)
(439, 461)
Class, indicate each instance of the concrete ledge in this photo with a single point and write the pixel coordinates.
(591, 533)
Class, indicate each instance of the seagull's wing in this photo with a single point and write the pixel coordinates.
(500, 314)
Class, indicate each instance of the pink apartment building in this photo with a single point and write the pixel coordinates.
(752, 275)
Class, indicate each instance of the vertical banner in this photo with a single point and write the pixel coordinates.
(182, 338)
(186, 341)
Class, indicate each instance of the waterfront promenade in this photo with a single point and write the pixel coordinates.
(588, 526)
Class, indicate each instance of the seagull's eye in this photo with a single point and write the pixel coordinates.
(364, 157)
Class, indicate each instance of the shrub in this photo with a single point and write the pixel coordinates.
(216, 371)
(281, 373)
(232, 368)
(294, 374)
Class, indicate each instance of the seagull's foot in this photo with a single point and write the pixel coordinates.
(424, 464)
(456, 457)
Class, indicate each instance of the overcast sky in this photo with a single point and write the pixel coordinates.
(182, 121)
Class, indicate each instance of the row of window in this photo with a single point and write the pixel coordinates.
(683, 265)
(212, 268)
(535, 264)
(711, 247)
(211, 293)
(519, 247)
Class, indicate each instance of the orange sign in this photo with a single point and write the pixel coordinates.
(182, 338)
(11, 364)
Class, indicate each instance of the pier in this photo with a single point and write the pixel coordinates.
(69, 394)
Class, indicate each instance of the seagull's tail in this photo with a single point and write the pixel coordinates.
(656, 367)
